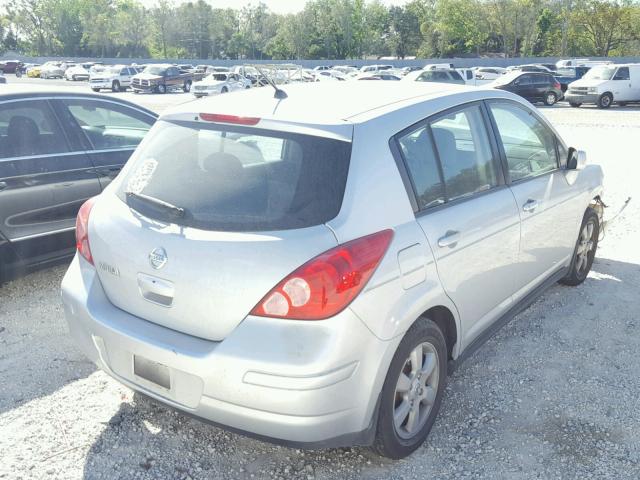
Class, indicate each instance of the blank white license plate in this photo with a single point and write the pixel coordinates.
(151, 371)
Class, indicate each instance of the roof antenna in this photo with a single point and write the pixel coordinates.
(279, 93)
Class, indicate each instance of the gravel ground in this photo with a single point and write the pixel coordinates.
(553, 396)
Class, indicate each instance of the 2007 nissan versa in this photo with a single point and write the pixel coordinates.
(304, 267)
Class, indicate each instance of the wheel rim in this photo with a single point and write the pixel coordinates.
(416, 390)
(551, 99)
(586, 246)
(605, 100)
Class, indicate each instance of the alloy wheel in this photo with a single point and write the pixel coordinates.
(585, 247)
(416, 390)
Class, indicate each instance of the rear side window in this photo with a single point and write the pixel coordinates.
(29, 128)
(464, 150)
(529, 146)
(237, 178)
(108, 125)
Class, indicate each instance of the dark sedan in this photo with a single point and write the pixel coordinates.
(534, 86)
(56, 151)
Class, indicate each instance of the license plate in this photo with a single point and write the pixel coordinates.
(151, 371)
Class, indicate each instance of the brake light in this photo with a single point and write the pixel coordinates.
(328, 283)
(221, 118)
(557, 84)
(82, 230)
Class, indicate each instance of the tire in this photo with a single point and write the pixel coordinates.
(115, 86)
(605, 100)
(186, 88)
(224, 90)
(95, 89)
(585, 250)
(398, 439)
(575, 105)
(550, 98)
(162, 88)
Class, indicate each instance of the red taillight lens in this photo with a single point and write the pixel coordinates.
(233, 119)
(82, 230)
(557, 85)
(327, 284)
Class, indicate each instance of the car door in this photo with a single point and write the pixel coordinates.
(622, 87)
(467, 213)
(109, 131)
(550, 208)
(43, 180)
(173, 77)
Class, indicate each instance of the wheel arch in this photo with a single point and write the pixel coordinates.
(445, 320)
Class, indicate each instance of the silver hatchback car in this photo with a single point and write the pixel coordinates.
(305, 269)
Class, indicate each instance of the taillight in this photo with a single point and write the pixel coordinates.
(556, 85)
(328, 283)
(233, 119)
(82, 230)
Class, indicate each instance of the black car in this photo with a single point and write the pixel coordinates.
(534, 86)
(56, 151)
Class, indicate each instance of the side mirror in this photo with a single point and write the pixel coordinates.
(577, 159)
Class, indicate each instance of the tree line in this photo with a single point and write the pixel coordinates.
(324, 29)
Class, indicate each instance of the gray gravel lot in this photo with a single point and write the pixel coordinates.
(555, 395)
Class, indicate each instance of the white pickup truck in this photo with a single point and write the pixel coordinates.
(115, 78)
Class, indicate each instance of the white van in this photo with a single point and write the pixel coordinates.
(436, 66)
(581, 62)
(606, 84)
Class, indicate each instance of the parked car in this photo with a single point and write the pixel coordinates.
(217, 83)
(163, 78)
(56, 150)
(51, 70)
(252, 73)
(440, 75)
(33, 70)
(605, 85)
(380, 76)
(77, 72)
(568, 75)
(534, 86)
(116, 78)
(234, 270)
(9, 66)
(581, 62)
(438, 66)
(371, 69)
(489, 73)
(216, 69)
(529, 68)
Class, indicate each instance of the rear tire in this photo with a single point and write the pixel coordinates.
(412, 391)
(605, 100)
(550, 98)
(585, 250)
(224, 90)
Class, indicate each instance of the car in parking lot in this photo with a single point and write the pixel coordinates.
(162, 78)
(56, 150)
(568, 75)
(116, 78)
(217, 83)
(33, 70)
(605, 85)
(77, 72)
(306, 270)
(51, 70)
(534, 86)
(438, 75)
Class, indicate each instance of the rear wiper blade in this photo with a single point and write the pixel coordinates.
(176, 211)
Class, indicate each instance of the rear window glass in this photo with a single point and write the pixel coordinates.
(236, 178)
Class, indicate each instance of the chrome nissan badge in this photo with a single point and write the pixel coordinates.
(158, 258)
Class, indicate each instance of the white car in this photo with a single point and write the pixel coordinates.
(217, 83)
(77, 72)
(116, 78)
(489, 73)
(51, 70)
(605, 85)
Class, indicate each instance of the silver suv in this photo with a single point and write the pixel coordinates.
(306, 268)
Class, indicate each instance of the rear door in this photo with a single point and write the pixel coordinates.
(467, 212)
(44, 178)
(549, 207)
(622, 85)
(108, 131)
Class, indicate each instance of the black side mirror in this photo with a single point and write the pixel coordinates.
(577, 159)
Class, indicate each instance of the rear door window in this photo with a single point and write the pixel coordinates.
(29, 128)
(236, 178)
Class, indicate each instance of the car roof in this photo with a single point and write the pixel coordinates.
(19, 92)
(322, 103)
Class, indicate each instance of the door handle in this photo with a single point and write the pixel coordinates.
(3, 185)
(450, 239)
(530, 205)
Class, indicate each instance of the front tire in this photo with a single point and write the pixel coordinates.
(585, 250)
(115, 86)
(162, 88)
(412, 391)
(95, 89)
(186, 88)
(550, 98)
(605, 100)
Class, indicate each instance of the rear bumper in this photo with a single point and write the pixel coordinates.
(312, 384)
(581, 98)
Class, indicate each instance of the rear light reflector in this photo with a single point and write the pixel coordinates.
(327, 284)
(82, 230)
(233, 119)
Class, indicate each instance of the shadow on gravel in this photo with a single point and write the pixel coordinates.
(37, 354)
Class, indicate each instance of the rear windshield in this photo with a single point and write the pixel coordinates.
(237, 179)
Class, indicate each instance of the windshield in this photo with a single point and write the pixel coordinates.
(240, 179)
(507, 78)
(600, 73)
(219, 77)
(155, 70)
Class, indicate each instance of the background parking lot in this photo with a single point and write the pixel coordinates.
(554, 395)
